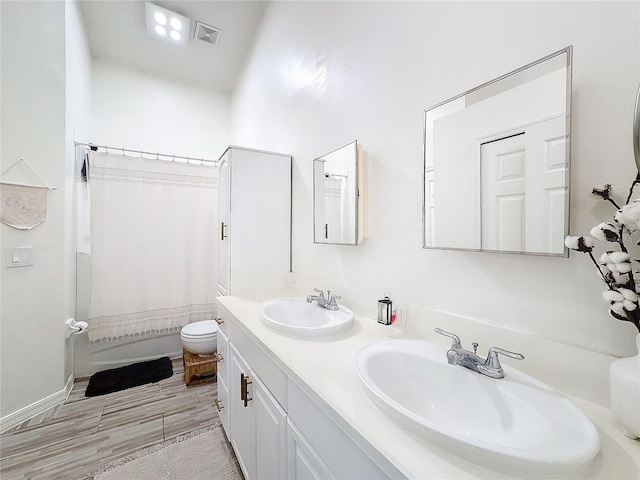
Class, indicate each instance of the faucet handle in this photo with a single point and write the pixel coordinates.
(492, 357)
(333, 298)
(320, 292)
(455, 340)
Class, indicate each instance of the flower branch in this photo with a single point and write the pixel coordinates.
(615, 267)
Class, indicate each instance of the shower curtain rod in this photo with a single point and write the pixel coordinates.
(166, 156)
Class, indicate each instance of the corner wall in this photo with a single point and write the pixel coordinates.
(324, 73)
(35, 300)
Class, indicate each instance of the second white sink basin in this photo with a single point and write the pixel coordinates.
(296, 317)
(515, 424)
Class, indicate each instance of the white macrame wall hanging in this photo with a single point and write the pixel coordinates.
(24, 206)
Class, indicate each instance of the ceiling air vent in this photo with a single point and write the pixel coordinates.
(207, 33)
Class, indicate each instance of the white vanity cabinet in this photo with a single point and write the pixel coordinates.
(241, 413)
(257, 421)
(254, 215)
(280, 432)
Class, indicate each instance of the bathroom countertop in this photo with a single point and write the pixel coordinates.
(325, 368)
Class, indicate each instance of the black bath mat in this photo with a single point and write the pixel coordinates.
(116, 379)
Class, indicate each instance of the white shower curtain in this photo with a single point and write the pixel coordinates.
(153, 245)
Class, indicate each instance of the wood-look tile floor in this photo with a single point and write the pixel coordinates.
(75, 439)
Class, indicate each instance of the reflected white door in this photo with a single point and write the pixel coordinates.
(224, 254)
(524, 190)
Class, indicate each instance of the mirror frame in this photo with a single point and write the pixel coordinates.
(569, 65)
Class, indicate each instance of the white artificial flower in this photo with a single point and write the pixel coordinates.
(618, 308)
(611, 274)
(612, 296)
(629, 306)
(581, 244)
(619, 257)
(629, 215)
(571, 242)
(624, 267)
(616, 266)
(605, 232)
(628, 294)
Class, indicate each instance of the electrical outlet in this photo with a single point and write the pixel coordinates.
(293, 281)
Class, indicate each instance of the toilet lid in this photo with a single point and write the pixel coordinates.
(200, 329)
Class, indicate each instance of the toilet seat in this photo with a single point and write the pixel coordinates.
(204, 328)
(200, 337)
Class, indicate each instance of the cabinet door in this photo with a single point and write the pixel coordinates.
(241, 417)
(224, 195)
(270, 431)
(303, 462)
(222, 402)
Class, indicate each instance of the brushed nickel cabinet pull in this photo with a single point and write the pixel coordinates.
(222, 234)
(244, 389)
(326, 230)
(219, 405)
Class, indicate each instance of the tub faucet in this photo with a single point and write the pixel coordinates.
(490, 366)
(329, 302)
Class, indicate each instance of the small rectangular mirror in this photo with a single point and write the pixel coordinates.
(338, 196)
(496, 163)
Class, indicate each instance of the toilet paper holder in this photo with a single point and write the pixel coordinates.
(74, 328)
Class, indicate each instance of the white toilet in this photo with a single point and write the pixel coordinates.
(201, 337)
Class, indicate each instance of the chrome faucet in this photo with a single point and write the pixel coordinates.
(490, 366)
(329, 302)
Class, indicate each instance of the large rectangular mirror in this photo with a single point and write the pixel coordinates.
(338, 197)
(496, 163)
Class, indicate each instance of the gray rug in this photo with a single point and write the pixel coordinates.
(201, 455)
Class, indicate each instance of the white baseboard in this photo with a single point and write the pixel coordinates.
(41, 406)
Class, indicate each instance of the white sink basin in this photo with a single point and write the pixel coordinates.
(296, 317)
(515, 424)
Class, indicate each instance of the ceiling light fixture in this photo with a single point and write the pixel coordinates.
(166, 25)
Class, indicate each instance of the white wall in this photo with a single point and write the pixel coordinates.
(135, 110)
(35, 300)
(324, 73)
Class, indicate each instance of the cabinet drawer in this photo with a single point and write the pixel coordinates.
(328, 440)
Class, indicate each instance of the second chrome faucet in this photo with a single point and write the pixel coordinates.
(490, 366)
(329, 302)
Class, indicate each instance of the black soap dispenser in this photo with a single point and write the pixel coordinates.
(385, 310)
